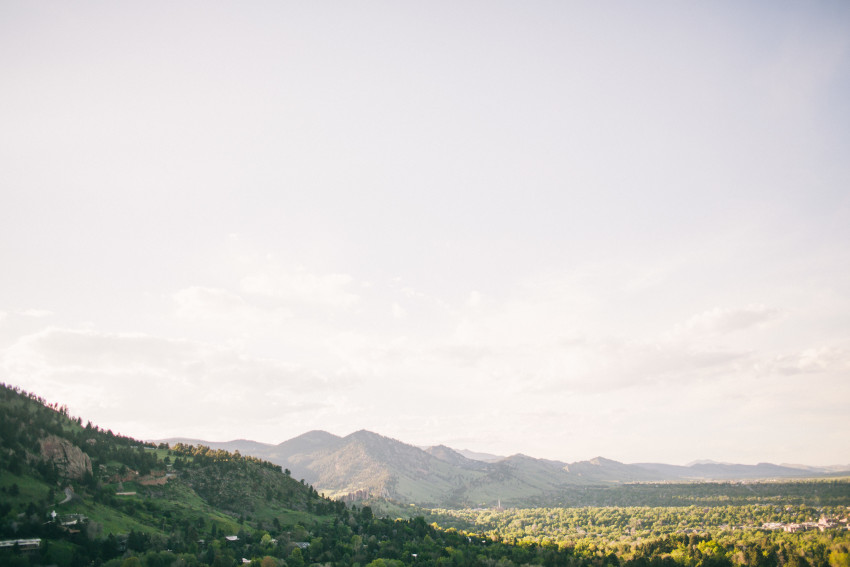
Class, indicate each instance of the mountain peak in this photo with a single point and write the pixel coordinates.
(603, 462)
(366, 434)
(306, 443)
(319, 433)
(361, 432)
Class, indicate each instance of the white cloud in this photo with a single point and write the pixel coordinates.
(726, 320)
(398, 311)
(165, 387)
(38, 313)
(203, 303)
(15, 324)
(830, 359)
(293, 287)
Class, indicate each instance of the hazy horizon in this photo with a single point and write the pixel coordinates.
(481, 453)
(562, 229)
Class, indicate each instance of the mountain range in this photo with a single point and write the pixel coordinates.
(368, 465)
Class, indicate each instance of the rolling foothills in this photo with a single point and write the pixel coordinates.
(365, 464)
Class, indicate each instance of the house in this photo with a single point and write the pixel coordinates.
(23, 544)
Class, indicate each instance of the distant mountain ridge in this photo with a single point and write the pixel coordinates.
(366, 464)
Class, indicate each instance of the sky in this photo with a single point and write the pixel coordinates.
(563, 229)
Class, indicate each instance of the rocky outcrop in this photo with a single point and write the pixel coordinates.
(69, 459)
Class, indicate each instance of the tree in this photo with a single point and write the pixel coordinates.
(839, 559)
(366, 514)
(296, 558)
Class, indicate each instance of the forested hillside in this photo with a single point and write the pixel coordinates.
(91, 495)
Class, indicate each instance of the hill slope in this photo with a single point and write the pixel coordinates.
(81, 486)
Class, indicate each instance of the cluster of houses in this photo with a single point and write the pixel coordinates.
(68, 522)
(823, 524)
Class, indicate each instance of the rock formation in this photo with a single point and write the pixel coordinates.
(69, 459)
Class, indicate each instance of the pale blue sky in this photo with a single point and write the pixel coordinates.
(564, 229)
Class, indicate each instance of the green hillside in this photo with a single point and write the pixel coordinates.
(97, 495)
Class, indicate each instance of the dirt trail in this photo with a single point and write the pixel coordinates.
(69, 495)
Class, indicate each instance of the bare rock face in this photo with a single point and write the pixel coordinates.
(69, 459)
